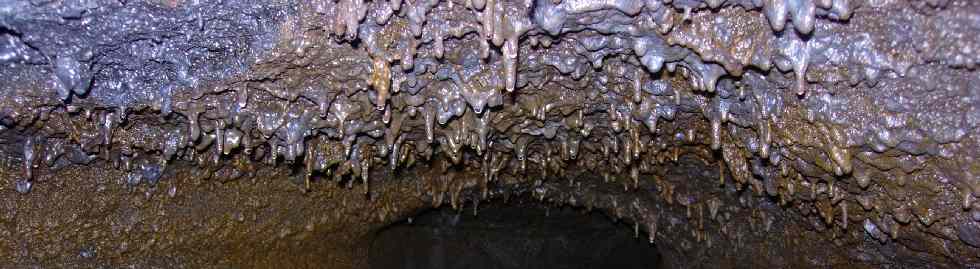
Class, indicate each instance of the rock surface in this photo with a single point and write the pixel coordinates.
(247, 133)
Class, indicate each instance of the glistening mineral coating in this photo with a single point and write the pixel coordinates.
(779, 133)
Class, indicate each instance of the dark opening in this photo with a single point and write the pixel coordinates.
(512, 236)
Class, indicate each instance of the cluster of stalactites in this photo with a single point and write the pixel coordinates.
(428, 97)
(502, 25)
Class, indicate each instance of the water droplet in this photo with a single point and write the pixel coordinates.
(23, 186)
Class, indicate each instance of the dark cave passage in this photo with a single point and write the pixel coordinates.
(510, 235)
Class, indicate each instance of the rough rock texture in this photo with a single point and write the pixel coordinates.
(247, 133)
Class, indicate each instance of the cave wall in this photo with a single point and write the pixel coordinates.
(787, 133)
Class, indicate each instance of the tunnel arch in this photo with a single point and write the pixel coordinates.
(249, 133)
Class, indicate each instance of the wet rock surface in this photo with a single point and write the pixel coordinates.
(786, 133)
